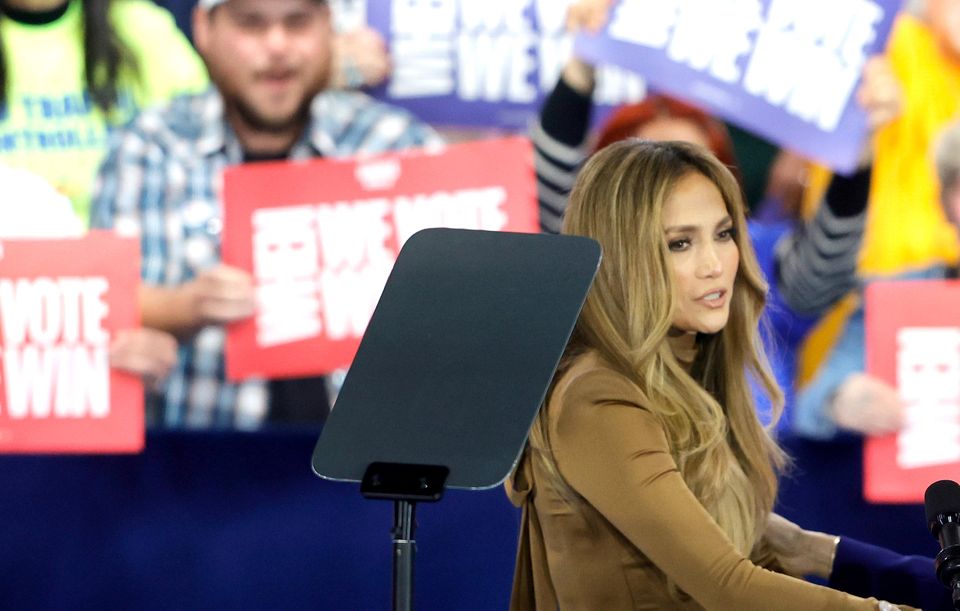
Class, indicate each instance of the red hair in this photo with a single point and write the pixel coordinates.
(629, 119)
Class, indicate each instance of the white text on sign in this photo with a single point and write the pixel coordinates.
(493, 51)
(54, 347)
(320, 268)
(928, 379)
(804, 57)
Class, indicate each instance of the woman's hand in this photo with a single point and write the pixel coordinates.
(800, 552)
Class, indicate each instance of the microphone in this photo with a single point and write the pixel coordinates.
(941, 502)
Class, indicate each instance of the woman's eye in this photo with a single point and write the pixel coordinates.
(727, 234)
(678, 245)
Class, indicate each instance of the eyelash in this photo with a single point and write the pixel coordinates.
(682, 244)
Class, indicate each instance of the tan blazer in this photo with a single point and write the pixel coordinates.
(621, 520)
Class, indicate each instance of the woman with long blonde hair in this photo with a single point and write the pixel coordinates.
(648, 479)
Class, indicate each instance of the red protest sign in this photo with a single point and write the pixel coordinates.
(913, 342)
(61, 302)
(320, 238)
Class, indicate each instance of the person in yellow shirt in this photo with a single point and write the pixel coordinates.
(907, 233)
(75, 69)
(906, 228)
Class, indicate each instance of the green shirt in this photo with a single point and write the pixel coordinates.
(50, 125)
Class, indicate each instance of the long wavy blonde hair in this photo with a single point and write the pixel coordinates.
(724, 454)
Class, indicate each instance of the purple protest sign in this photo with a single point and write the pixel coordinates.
(784, 69)
(483, 64)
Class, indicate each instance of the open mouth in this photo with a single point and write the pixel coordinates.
(714, 299)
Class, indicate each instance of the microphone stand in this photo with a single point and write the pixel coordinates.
(947, 562)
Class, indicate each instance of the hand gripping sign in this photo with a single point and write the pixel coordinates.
(913, 342)
(320, 238)
(784, 69)
(61, 302)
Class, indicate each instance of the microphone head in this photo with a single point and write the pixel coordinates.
(942, 497)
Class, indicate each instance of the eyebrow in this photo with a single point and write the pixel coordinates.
(687, 228)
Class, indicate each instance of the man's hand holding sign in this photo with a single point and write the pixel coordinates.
(218, 295)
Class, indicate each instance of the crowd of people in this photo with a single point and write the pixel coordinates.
(658, 416)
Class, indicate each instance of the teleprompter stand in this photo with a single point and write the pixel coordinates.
(405, 485)
(452, 368)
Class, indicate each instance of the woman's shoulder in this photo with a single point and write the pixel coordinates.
(591, 380)
(594, 402)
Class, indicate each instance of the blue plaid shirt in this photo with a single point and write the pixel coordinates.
(162, 180)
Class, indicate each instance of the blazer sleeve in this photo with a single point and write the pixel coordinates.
(614, 453)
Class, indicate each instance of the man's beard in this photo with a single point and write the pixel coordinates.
(257, 121)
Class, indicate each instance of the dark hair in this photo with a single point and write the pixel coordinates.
(103, 55)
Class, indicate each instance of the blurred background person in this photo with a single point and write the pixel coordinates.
(906, 229)
(271, 65)
(908, 235)
(73, 70)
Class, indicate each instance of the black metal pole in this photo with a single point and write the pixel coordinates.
(404, 551)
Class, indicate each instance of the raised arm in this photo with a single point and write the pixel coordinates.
(561, 129)
(817, 263)
(558, 140)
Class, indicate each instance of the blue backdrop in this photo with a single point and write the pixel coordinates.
(233, 521)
